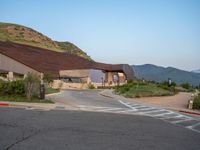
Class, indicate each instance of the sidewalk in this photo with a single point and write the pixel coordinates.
(177, 102)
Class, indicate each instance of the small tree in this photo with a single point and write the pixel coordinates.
(48, 78)
(32, 82)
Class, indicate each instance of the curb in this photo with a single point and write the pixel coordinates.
(105, 95)
(4, 104)
(189, 112)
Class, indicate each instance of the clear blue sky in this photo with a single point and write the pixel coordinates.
(161, 32)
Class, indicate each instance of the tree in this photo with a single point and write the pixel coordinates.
(48, 78)
(32, 82)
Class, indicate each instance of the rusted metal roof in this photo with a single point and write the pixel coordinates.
(44, 60)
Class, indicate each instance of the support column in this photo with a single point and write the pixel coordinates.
(110, 78)
(10, 76)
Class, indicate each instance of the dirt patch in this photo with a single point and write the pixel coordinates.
(178, 101)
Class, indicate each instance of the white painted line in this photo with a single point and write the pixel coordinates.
(111, 109)
(82, 106)
(131, 103)
(176, 116)
(140, 107)
(123, 103)
(157, 110)
(135, 105)
(195, 130)
(163, 114)
(179, 121)
(149, 108)
(130, 110)
(193, 126)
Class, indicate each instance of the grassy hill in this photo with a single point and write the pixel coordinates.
(159, 74)
(24, 35)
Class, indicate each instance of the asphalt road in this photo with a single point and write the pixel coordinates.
(22, 129)
(85, 97)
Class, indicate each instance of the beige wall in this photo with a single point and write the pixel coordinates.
(63, 85)
(81, 73)
(11, 65)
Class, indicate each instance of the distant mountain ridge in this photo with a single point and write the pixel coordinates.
(24, 35)
(159, 74)
(196, 71)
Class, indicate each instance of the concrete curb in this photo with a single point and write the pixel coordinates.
(4, 104)
(190, 112)
(53, 94)
(105, 95)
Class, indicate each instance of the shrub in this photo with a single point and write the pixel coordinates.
(196, 103)
(12, 87)
(32, 82)
(186, 86)
(90, 86)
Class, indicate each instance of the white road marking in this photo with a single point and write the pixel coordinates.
(157, 110)
(111, 109)
(179, 121)
(163, 114)
(147, 110)
(140, 107)
(126, 104)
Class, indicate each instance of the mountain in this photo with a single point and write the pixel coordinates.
(24, 35)
(159, 74)
(196, 71)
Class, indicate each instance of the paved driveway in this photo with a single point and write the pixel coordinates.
(78, 98)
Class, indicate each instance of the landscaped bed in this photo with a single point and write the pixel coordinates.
(26, 90)
(20, 98)
(196, 103)
(143, 89)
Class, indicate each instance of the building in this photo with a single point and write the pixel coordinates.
(16, 60)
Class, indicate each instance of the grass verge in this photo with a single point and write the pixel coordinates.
(138, 89)
(51, 91)
(196, 103)
(19, 98)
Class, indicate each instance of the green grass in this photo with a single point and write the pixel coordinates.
(20, 98)
(142, 90)
(51, 91)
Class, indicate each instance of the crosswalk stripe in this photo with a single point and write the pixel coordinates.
(157, 110)
(140, 107)
(179, 121)
(162, 114)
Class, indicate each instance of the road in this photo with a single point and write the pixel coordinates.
(92, 100)
(78, 130)
(85, 97)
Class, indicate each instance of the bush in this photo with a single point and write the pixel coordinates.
(12, 87)
(32, 82)
(196, 103)
(186, 86)
(90, 86)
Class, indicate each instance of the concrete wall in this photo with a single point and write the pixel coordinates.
(63, 85)
(11, 65)
(81, 73)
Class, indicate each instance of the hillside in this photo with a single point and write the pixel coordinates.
(24, 35)
(159, 74)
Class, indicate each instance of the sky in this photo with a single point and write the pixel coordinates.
(161, 32)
